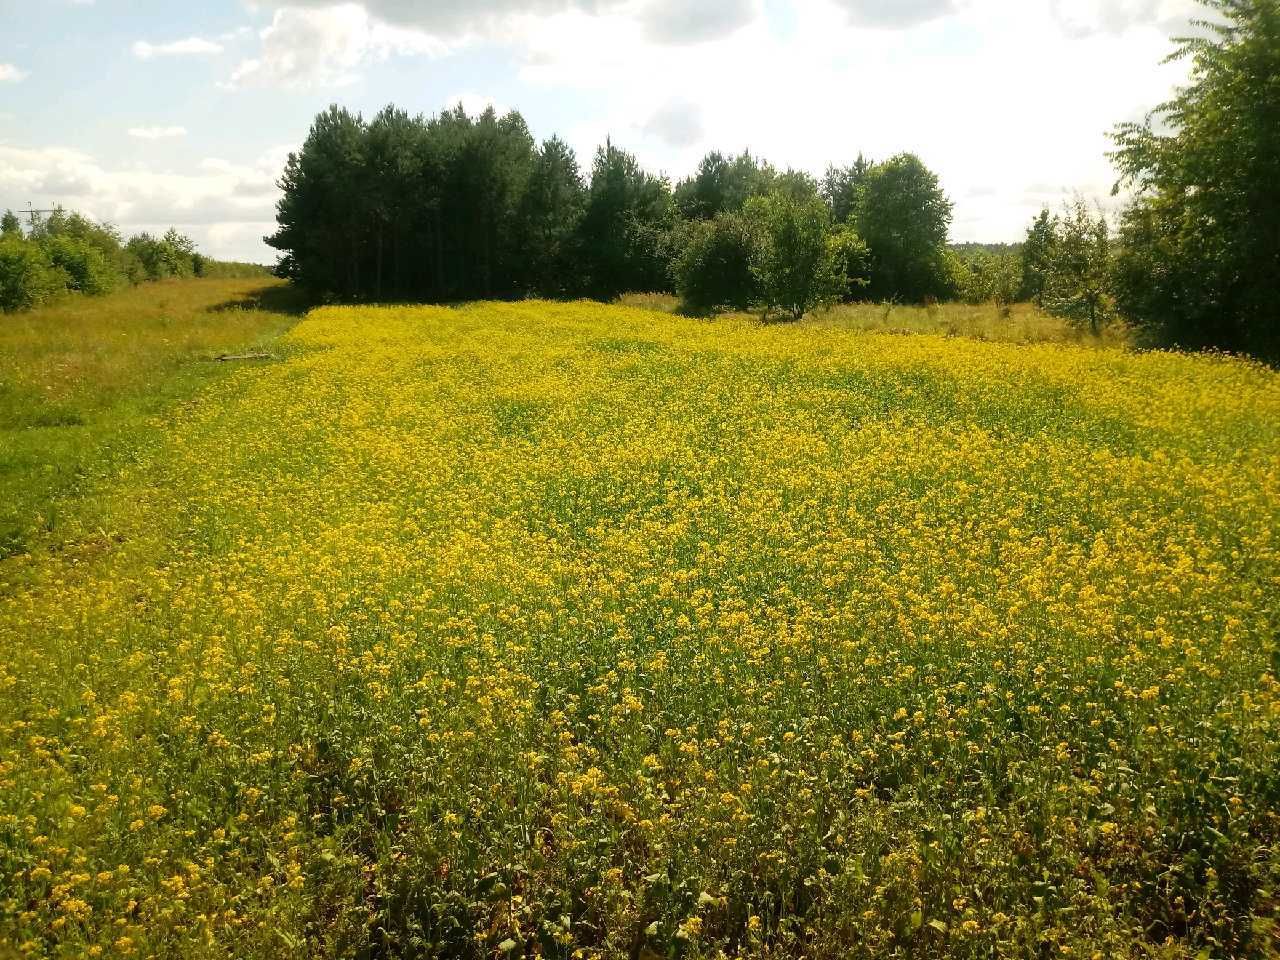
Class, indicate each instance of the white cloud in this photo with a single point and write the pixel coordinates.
(679, 21)
(238, 241)
(897, 13)
(327, 47)
(157, 133)
(11, 74)
(661, 21)
(191, 46)
(227, 207)
(1084, 18)
(454, 18)
(677, 124)
(236, 34)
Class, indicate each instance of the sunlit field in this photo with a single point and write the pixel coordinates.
(585, 631)
(1004, 323)
(88, 373)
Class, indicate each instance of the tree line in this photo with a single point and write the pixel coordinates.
(67, 253)
(454, 207)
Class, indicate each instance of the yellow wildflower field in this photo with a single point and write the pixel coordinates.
(567, 630)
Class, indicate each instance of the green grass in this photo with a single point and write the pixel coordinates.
(81, 381)
(1017, 323)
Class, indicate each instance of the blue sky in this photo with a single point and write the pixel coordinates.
(152, 113)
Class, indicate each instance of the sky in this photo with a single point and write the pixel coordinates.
(149, 113)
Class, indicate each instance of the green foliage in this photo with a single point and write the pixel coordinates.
(1077, 281)
(904, 216)
(852, 260)
(229, 269)
(86, 269)
(797, 185)
(449, 207)
(722, 185)
(1199, 257)
(984, 276)
(162, 258)
(712, 265)
(69, 253)
(10, 225)
(796, 261)
(27, 278)
(453, 207)
(622, 233)
(842, 188)
(1037, 255)
(550, 215)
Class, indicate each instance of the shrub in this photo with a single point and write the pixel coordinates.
(172, 255)
(796, 264)
(68, 251)
(86, 268)
(985, 277)
(851, 258)
(27, 278)
(712, 265)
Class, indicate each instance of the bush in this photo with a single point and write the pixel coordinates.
(851, 258)
(27, 278)
(231, 270)
(795, 262)
(69, 252)
(172, 255)
(86, 267)
(712, 265)
(983, 277)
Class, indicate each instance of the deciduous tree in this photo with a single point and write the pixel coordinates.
(796, 264)
(1199, 259)
(904, 217)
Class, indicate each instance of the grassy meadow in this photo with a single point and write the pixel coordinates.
(571, 630)
(85, 375)
(1011, 323)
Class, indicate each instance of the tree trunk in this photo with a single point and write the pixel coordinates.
(378, 279)
(439, 243)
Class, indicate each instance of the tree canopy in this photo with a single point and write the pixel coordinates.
(795, 261)
(68, 253)
(455, 207)
(1198, 260)
(904, 217)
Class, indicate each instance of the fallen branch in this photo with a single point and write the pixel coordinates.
(227, 357)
